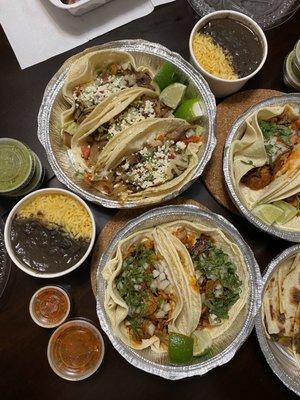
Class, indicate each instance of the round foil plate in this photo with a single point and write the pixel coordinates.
(236, 132)
(279, 358)
(268, 14)
(144, 53)
(225, 347)
(5, 262)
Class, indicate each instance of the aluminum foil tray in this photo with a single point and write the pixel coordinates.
(225, 347)
(278, 357)
(236, 131)
(268, 14)
(144, 53)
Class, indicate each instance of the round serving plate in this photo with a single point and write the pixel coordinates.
(268, 14)
(236, 132)
(224, 347)
(144, 53)
(280, 359)
(4, 261)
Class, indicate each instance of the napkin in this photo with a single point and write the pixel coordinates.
(37, 30)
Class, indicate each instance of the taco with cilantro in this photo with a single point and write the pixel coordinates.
(265, 165)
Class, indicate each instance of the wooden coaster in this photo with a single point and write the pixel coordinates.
(115, 224)
(227, 112)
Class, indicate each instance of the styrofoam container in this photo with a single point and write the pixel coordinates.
(224, 87)
(80, 7)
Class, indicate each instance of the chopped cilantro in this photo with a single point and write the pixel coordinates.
(133, 274)
(136, 325)
(270, 129)
(249, 162)
(213, 264)
(109, 136)
(298, 201)
(270, 152)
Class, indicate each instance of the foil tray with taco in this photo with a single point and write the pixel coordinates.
(281, 307)
(130, 132)
(175, 289)
(265, 166)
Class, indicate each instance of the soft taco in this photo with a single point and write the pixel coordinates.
(219, 271)
(281, 302)
(95, 77)
(296, 338)
(143, 296)
(152, 159)
(115, 115)
(265, 165)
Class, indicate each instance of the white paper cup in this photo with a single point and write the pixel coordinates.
(7, 231)
(224, 87)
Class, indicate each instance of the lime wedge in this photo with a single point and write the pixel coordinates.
(190, 110)
(172, 95)
(289, 211)
(180, 348)
(268, 213)
(202, 341)
(167, 75)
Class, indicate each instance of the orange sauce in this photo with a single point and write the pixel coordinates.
(50, 306)
(76, 349)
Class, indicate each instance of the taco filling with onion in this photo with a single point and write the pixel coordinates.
(219, 282)
(176, 281)
(147, 291)
(143, 298)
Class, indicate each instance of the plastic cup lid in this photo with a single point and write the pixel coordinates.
(17, 165)
(35, 181)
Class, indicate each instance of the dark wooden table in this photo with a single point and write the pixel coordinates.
(24, 370)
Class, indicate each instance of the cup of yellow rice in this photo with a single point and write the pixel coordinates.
(228, 48)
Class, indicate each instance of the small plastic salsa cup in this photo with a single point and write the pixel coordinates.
(50, 306)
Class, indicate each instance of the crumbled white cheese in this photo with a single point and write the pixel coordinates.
(137, 112)
(181, 145)
(93, 93)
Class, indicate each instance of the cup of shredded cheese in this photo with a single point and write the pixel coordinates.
(228, 48)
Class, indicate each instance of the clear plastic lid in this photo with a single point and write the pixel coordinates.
(17, 165)
(268, 14)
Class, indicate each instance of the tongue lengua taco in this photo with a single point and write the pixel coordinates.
(265, 164)
(154, 158)
(143, 296)
(281, 303)
(108, 121)
(96, 76)
(220, 270)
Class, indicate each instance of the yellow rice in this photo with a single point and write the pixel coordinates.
(212, 57)
(55, 209)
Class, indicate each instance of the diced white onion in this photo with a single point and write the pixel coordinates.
(162, 276)
(151, 329)
(163, 284)
(167, 307)
(155, 273)
(160, 314)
